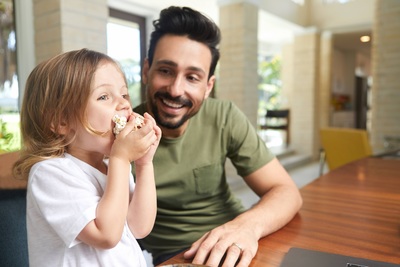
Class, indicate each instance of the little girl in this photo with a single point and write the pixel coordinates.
(83, 207)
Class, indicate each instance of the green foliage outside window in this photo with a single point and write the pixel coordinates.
(270, 85)
(10, 137)
(131, 68)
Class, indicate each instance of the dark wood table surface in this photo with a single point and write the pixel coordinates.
(353, 210)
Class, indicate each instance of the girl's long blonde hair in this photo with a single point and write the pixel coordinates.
(56, 95)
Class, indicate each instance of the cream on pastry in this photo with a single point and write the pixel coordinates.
(120, 123)
(139, 121)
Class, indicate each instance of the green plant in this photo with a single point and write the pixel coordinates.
(9, 138)
(132, 73)
(270, 85)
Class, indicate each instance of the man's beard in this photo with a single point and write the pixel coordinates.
(166, 124)
(170, 124)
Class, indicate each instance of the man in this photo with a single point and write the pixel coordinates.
(196, 208)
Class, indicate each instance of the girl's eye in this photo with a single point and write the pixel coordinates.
(103, 97)
(126, 96)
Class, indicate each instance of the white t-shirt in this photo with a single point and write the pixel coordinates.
(62, 198)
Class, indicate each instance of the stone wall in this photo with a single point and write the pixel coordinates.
(62, 26)
(385, 111)
(238, 78)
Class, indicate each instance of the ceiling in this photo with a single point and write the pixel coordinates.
(208, 7)
(273, 31)
(351, 42)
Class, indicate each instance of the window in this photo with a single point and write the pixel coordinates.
(335, 1)
(298, 2)
(9, 114)
(126, 43)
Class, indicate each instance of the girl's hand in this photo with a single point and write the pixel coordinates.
(148, 156)
(131, 143)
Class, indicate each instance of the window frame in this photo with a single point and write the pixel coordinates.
(141, 21)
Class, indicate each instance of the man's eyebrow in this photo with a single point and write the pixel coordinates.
(173, 64)
(196, 69)
(166, 62)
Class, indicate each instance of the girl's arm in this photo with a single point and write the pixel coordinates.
(143, 207)
(106, 229)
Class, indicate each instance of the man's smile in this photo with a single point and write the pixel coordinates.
(171, 104)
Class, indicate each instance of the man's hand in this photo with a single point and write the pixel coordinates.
(237, 241)
(228, 244)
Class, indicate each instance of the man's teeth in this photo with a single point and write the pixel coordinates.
(171, 104)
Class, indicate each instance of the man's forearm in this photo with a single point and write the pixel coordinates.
(273, 211)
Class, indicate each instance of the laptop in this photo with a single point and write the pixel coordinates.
(298, 257)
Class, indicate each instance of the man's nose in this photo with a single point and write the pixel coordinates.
(175, 89)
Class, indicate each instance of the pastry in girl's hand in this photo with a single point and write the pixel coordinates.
(120, 123)
(139, 121)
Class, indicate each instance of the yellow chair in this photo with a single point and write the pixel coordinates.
(343, 145)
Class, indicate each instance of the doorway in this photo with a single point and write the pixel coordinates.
(361, 102)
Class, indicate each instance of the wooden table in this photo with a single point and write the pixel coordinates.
(353, 210)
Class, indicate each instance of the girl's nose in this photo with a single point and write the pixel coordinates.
(123, 103)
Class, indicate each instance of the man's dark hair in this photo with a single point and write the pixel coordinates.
(184, 21)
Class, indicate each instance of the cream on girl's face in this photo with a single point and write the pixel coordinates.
(108, 96)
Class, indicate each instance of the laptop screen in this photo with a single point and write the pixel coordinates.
(298, 257)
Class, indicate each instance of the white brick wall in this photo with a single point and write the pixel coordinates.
(62, 26)
(303, 97)
(386, 73)
(238, 78)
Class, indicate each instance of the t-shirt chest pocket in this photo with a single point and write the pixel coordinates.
(208, 178)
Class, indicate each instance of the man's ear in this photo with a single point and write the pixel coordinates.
(145, 71)
(210, 86)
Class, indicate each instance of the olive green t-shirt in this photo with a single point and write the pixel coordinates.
(193, 196)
